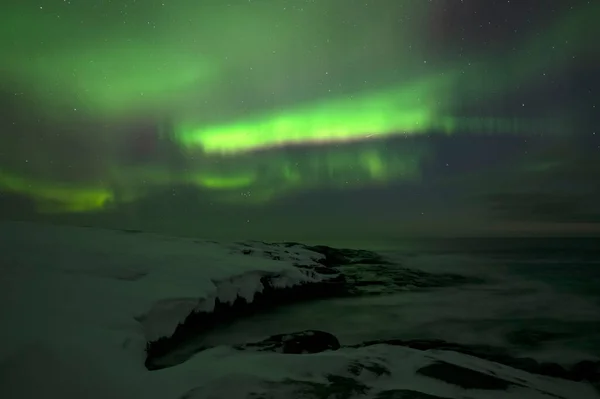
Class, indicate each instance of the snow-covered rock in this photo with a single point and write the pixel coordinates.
(375, 372)
(104, 293)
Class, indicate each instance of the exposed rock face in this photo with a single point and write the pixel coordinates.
(463, 377)
(345, 256)
(309, 341)
(269, 298)
(533, 338)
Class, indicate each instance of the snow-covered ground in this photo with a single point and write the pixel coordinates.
(77, 306)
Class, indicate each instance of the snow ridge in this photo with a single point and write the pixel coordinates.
(107, 277)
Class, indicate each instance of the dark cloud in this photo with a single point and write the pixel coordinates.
(559, 183)
(543, 207)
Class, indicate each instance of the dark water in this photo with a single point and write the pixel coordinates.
(571, 264)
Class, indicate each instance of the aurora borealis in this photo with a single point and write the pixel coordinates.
(110, 106)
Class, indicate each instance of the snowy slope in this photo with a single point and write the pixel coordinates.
(77, 306)
(103, 277)
(70, 295)
(377, 372)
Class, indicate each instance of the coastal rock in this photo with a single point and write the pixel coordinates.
(346, 256)
(372, 279)
(223, 312)
(586, 370)
(533, 338)
(368, 273)
(309, 341)
(463, 377)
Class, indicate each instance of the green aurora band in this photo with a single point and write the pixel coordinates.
(115, 78)
(251, 179)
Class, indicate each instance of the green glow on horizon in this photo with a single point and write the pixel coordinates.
(274, 174)
(249, 180)
(57, 197)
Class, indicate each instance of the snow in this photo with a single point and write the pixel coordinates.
(103, 277)
(71, 294)
(225, 373)
(77, 306)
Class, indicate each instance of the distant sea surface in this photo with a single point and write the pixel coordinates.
(568, 264)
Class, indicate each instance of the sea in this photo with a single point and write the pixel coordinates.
(540, 298)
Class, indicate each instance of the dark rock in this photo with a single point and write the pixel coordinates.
(370, 279)
(223, 313)
(532, 338)
(337, 387)
(552, 370)
(131, 231)
(405, 394)
(368, 273)
(463, 377)
(523, 363)
(357, 367)
(319, 269)
(332, 257)
(309, 341)
(344, 256)
(586, 370)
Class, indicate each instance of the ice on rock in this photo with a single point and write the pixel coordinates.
(245, 287)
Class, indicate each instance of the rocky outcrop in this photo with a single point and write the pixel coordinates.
(463, 377)
(309, 341)
(368, 273)
(372, 279)
(270, 297)
(346, 256)
(534, 338)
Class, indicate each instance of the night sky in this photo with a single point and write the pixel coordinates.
(302, 119)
